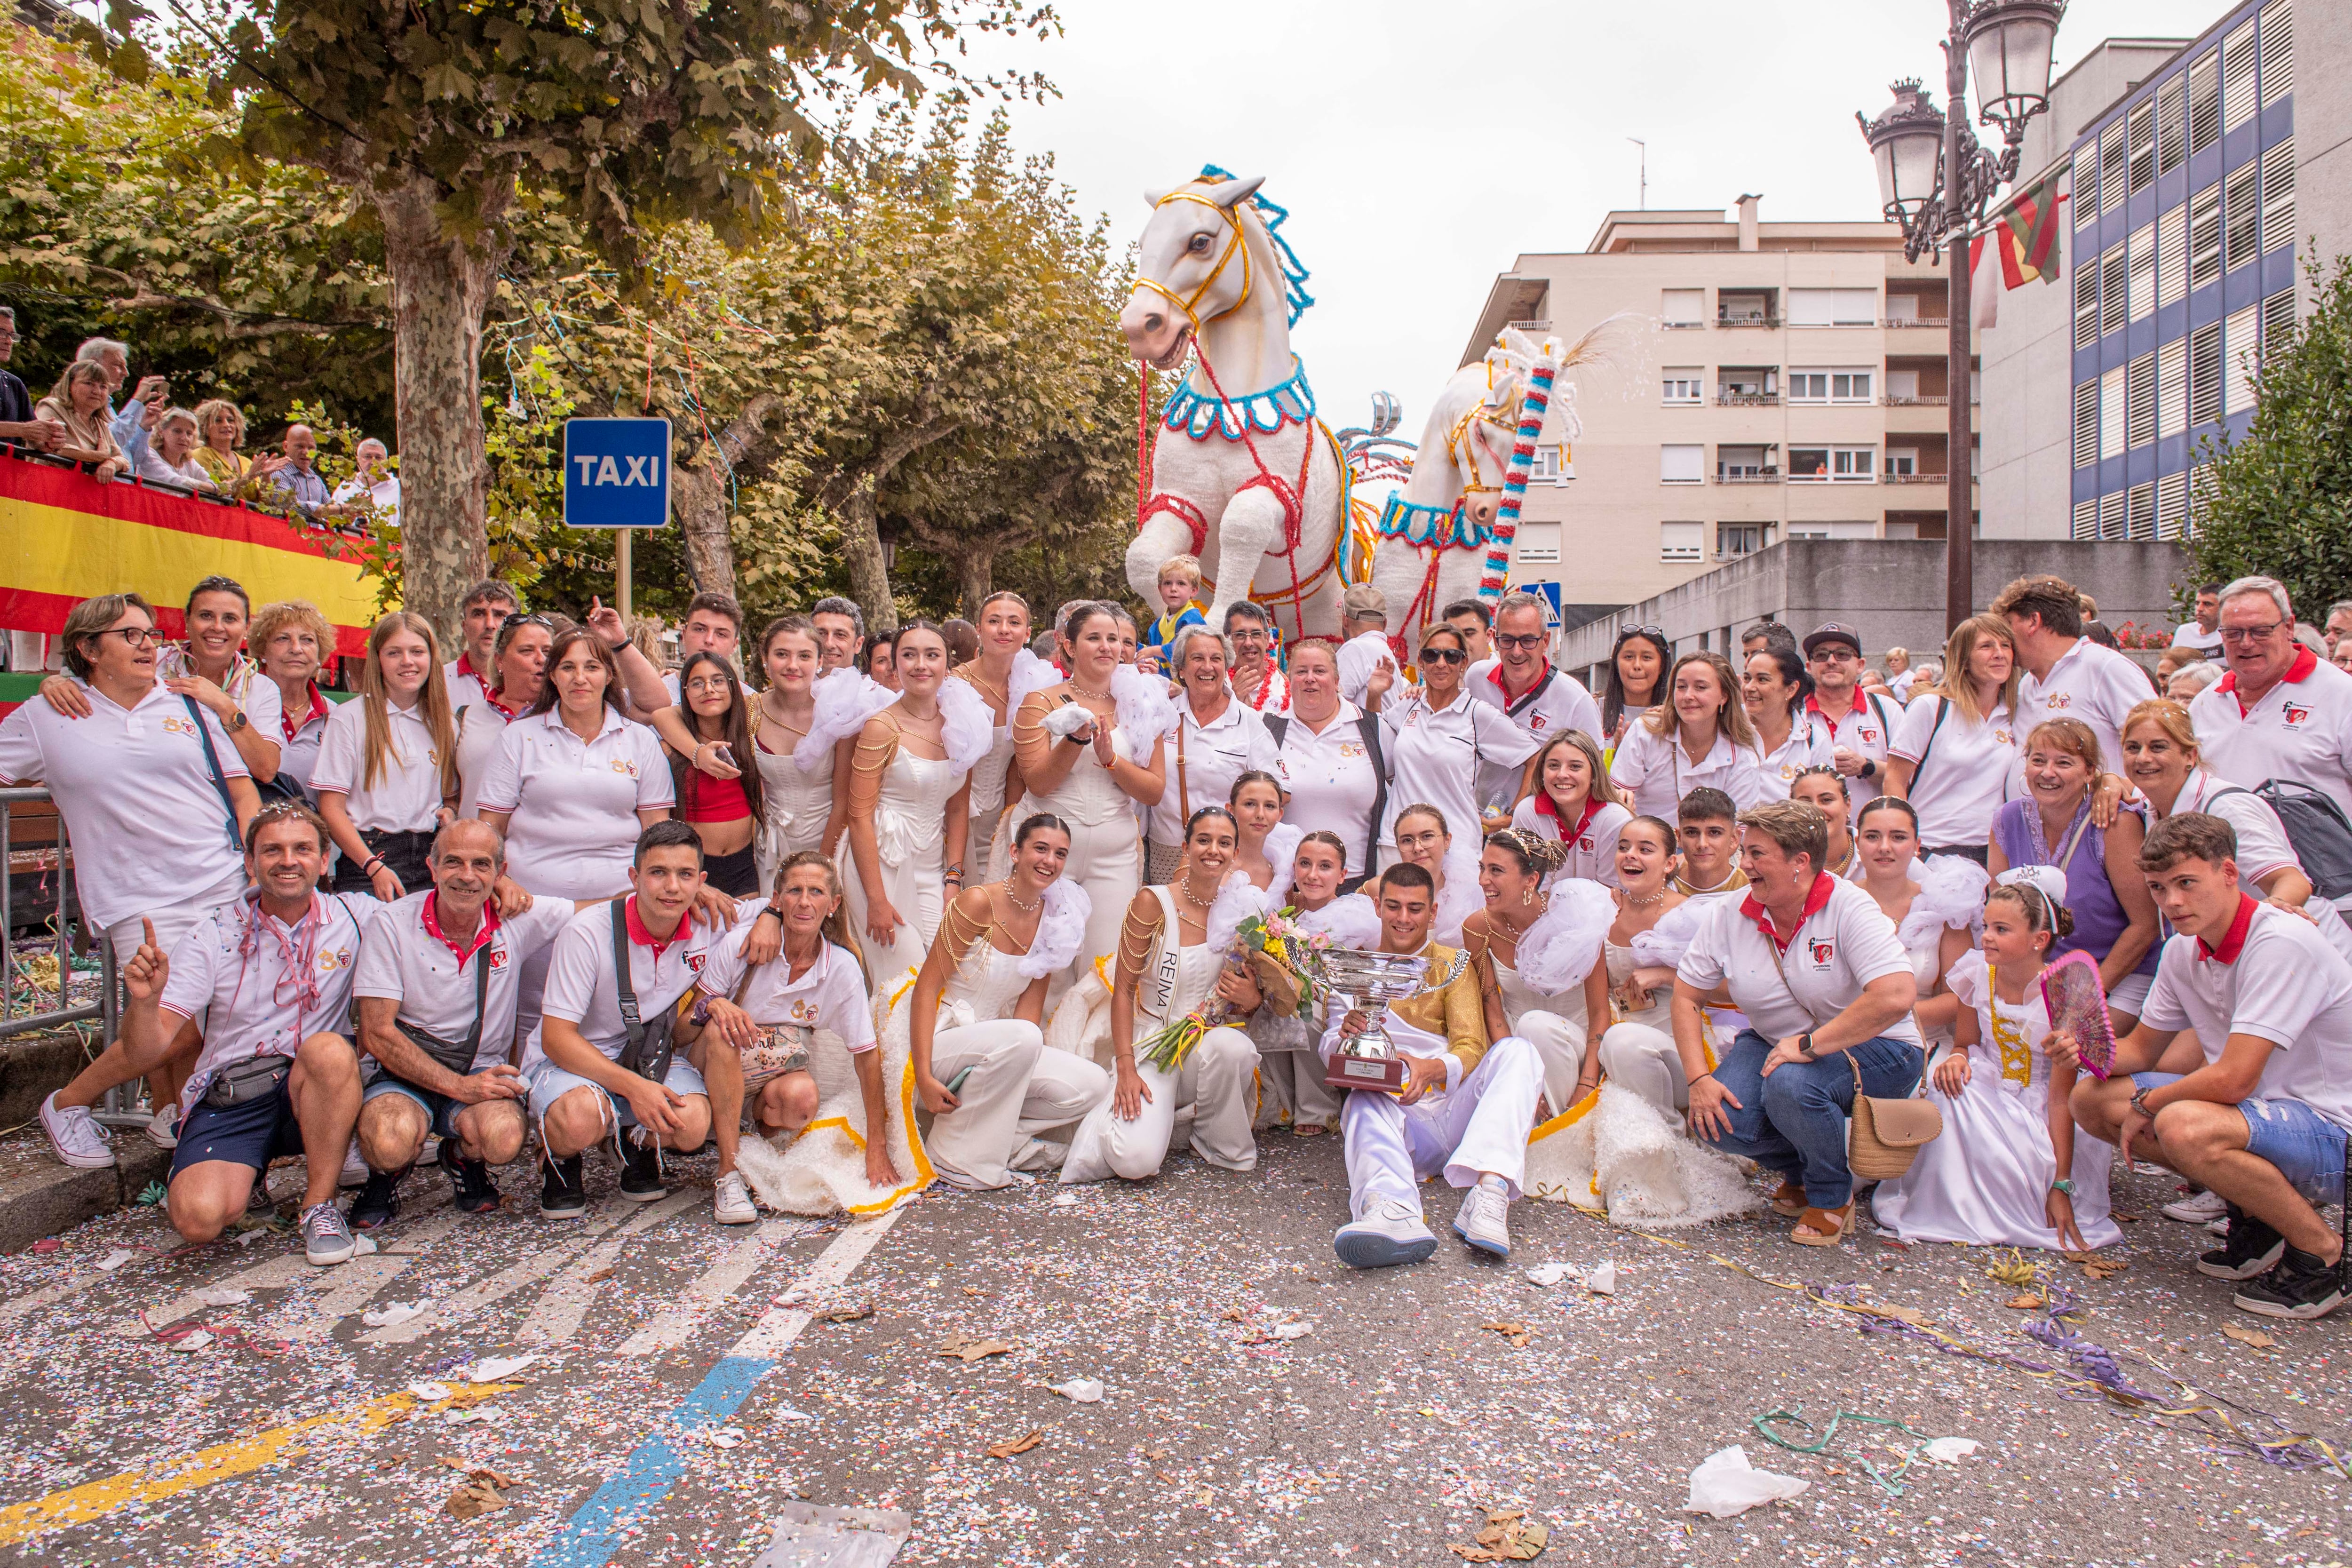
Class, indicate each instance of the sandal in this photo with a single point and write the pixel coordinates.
(1789, 1201)
(1823, 1227)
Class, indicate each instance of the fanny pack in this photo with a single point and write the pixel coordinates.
(247, 1081)
(781, 1049)
(649, 1047)
(457, 1056)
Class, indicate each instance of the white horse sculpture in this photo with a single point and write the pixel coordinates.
(1243, 475)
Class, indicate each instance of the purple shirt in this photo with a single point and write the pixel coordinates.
(2099, 918)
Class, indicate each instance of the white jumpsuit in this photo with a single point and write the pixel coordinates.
(795, 804)
(1105, 849)
(1555, 1025)
(910, 836)
(1477, 1127)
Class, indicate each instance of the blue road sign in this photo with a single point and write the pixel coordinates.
(1550, 592)
(615, 473)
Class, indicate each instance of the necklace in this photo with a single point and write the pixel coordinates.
(1185, 888)
(1635, 902)
(971, 672)
(786, 725)
(1090, 696)
(1028, 908)
(1265, 685)
(2016, 1050)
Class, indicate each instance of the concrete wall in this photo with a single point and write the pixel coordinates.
(2322, 137)
(1891, 590)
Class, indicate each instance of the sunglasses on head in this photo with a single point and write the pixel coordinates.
(518, 619)
(1655, 633)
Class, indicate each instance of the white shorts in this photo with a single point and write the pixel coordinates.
(549, 1083)
(2129, 995)
(173, 920)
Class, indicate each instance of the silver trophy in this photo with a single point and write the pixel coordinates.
(1369, 982)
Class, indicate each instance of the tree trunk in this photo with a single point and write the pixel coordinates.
(861, 552)
(704, 491)
(441, 288)
(976, 575)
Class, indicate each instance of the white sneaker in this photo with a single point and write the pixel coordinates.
(2198, 1208)
(75, 1136)
(731, 1201)
(1391, 1234)
(1484, 1221)
(163, 1127)
(355, 1170)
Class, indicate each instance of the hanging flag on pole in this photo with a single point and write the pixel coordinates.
(2028, 231)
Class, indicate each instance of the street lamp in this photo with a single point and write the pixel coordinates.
(1936, 182)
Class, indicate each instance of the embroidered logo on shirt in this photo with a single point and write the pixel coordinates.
(335, 959)
(498, 958)
(176, 725)
(2293, 715)
(1869, 735)
(1349, 750)
(2057, 700)
(1536, 721)
(694, 962)
(2004, 737)
(1822, 950)
(624, 765)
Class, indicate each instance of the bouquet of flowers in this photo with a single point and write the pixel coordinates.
(1265, 943)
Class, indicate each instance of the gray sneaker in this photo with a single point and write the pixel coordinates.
(325, 1239)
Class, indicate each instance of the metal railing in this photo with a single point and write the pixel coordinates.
(42, 863)
(1747, 399)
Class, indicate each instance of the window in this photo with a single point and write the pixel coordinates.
(2242, 215)
(1833, 464)
(1538, 545)
(2172, 124)
(1683, 308)
(1833, 307)
(2205, 237)
(2143, 146)
(1683, 384)
(2172, 387)
(1552, 465)
(2171, 505)
(2278, 51)
(2278, 196)
(2143, 272)
(1740, 538)
(1851, 385)
(2242, 344)
(1902, 387)
(1747, 383)
(1901, 307)
(2238, 101)
(2086, 302)
(2112, 154)
(2139, 512)
(1681, 540)
(2113, 276)
(1744, 308)
(2205, 374)
(2278, 320)
(2086, 195)
(1681, 465)
(2086, 424)
(2139, 401)
(2172, 255)
(2111, 516)
(2204, 105)
(2111, 413)
(1902, 464)
(2086, 520)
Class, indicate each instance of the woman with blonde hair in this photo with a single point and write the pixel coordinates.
(291, 640)
(1573, 804)
(220, 431)
(166, 454)
(78, 402)
(387, 770)
(1698, 735)
(1952, 750)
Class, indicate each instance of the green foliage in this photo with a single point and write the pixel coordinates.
(2278, 502)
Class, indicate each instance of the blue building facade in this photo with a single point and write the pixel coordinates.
(2184, 254)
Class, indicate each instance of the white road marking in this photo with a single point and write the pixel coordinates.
(556, 1316)
(351, 1286)
(282, 1269)
(458, 1305)
(778, 1327)
(670, 1326)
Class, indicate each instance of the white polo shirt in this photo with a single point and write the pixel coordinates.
(2273, 977)
(1330, 780)
(1968, 771)
(830, 993)
(1592, 841)
(1843, 943)
(406, 958)
(2300, 730)
(479, 725)
(2094, 684)
(1201, 762)
(255, 997)
(406, 795)
(1436, 757)
(574, 828)
(1655, 772)
(1808, 747)
(1865, 730)
(255, 694)
(466, 687)
(1557, 701)
(1358, 658)
(148, 825)
(2188, 634)
(580, 985)
(299, 738)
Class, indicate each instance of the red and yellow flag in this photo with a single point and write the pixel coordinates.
(2028, 231)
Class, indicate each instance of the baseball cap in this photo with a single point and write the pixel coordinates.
(1833, 631)
(1362, 600)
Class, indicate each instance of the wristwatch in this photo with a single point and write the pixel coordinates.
(2139, 1103)
(1869, 769)
(1805, 1046)
(237, 721)
(2062, 1185)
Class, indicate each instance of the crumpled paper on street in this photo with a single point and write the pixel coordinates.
(1726, 1485)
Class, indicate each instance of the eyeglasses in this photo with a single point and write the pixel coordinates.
(1443, 656)
(709, 683)
(520, 619)
(2251, 633)
(1527, 640)
(134, 637)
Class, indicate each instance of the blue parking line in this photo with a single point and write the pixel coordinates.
(591, 1536)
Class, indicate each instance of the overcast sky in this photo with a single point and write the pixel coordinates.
(1419, 147)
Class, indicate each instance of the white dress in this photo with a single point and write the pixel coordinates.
(988, 779)
(795, 802)
(1555, 1025)
(1983, 1182)
(1106, 847)
(910, 837)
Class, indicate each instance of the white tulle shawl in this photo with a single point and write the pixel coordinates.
(1951, 892)
(1353, 922)
(1146, 711)
(1560, 949)
(1061, 929)
(967, 729)
(1282, 854)
(1665, 943)
(844, 699)
(1237, 899)
(1030, 675)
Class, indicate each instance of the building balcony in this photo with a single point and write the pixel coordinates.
(1747, 400)
(1915, 479)
(1921, 323)
(1747, 475)
(1748, 318)
(1924, 400)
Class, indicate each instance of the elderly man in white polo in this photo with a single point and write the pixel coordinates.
(1818, 969)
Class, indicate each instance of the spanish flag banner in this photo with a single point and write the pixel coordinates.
(64, 537)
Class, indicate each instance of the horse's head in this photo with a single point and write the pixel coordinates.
(1470, 426)
(1192, 266)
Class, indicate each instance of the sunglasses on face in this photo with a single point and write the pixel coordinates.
(1443, 656)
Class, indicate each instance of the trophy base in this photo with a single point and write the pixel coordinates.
(1380, 1075)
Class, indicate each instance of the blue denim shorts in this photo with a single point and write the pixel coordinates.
(2304, 1146)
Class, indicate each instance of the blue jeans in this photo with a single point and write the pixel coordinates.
(1793, 1123)
(2303, 1146)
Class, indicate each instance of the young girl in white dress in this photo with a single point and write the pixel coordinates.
(2010, 1169)
(801, 809)
(1269, 844)
(1004, 672)
(1934, 907)
(1290, 1070)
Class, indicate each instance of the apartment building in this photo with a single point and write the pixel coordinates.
(2194, 199)
(1783, 381)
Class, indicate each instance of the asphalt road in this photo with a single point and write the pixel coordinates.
(1384, 1433)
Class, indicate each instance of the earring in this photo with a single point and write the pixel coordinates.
(1527, 897)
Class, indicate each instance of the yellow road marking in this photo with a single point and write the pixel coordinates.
(221, 1462)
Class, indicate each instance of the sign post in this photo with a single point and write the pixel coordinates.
(616, 476)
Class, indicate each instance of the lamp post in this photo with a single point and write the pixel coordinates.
(1936, 182)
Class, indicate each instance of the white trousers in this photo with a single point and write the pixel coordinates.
(1216, 1085)
(1106, 860)
(1017, 1089)
(1293, 1087)
(1644, 1059)
(1560, 1043)
(1479, 1126)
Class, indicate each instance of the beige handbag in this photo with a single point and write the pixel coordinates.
(1886, 1133)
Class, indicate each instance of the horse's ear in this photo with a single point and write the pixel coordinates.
(1233, 192)
(1156, 194)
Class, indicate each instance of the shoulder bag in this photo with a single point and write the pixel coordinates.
(1886, 1132)
(649, 1047)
